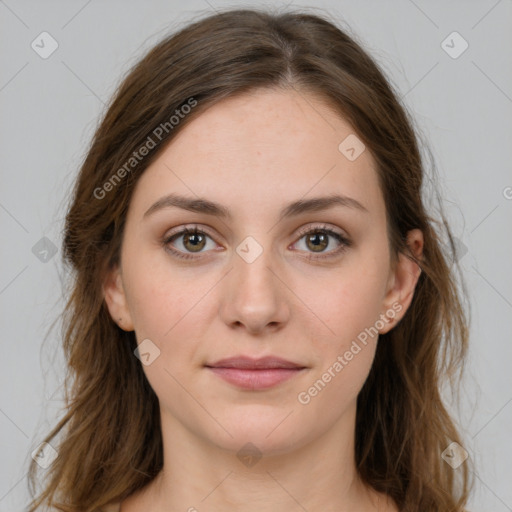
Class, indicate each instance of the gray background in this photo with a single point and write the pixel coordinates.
(50, 107)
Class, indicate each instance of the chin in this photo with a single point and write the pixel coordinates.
(268, 433)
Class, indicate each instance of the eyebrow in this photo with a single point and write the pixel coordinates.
(205, 206)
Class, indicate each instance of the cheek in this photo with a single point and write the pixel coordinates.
(333, 391)
(345, 355)
(173, 307)
(347, 302)
(162, 299)
(167, 309)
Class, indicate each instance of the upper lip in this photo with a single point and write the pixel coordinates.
(249, 363)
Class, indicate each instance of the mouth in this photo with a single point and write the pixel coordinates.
(255, 374)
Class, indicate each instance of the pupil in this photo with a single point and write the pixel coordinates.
(194, 239)
(318, 236)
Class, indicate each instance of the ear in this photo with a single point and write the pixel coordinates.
(115, 298)
(402, 281)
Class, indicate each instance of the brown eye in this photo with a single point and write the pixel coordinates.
(317, 241)
(194, 241)
(188, 242)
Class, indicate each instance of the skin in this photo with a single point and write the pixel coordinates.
(254, 154)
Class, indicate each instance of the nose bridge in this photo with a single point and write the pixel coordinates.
(256, 296)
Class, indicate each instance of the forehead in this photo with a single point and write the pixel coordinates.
(263, 148)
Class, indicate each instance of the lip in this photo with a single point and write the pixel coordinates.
(249, 363)
(248, 373)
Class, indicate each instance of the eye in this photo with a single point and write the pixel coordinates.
(193, 240)
(317, 239)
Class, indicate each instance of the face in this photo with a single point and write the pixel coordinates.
(311, 286)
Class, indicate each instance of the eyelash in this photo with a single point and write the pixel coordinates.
(345, 243)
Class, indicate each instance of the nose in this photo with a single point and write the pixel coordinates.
(255, 297)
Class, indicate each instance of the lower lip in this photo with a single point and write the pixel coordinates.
(256, 379)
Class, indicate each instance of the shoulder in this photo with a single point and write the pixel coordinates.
(112, 507)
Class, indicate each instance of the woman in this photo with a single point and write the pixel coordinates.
(262, 315)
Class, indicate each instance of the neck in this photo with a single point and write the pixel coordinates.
(199, 475)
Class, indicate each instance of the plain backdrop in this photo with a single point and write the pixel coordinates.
(461, 98)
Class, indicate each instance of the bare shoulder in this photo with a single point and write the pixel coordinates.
(113, 507)
(389, 506)
(384, 503)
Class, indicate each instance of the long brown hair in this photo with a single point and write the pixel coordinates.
(110, 439)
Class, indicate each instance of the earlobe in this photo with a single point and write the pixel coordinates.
(403, 281)
(115, 298)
